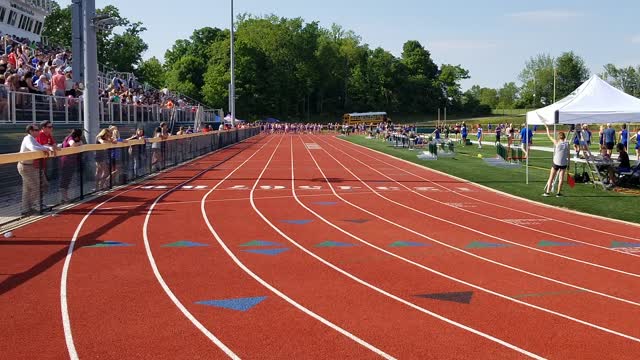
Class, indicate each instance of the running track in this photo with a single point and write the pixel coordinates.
(331, 246)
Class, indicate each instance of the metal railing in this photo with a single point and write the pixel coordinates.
(32, 184)
(26, 108)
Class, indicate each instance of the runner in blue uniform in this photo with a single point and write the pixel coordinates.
(463, 131)
(624, 136)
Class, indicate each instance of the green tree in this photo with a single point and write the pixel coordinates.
(57, 25)
(290, 69)
(489, 97)
(626, 79)
(449, 83)
(152, 72)
(420, 92)
(124, 51)
(120, 51)
(198, 44)
(571, 72)
(385, 74)
(185, 76)
(508, 95)
(537, 79)
(331, 74)
(469, 103)
(179, 49)
(215, 91)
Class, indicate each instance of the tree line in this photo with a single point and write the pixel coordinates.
(292, 69)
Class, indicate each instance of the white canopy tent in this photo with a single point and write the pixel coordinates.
(594, 102)
(227, 119)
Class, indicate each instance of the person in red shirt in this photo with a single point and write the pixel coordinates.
(12, 59)
(45, 138)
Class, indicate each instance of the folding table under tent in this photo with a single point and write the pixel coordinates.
(594, 102)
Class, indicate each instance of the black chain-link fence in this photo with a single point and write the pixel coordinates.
(37, 186)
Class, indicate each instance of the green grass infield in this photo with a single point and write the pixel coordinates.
(619, 204)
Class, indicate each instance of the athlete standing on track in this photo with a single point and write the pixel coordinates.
(560, 162)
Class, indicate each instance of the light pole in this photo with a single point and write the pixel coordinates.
(91, 123)
(554, 83)
(232, 88)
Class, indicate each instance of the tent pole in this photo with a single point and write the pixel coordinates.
(529, 150)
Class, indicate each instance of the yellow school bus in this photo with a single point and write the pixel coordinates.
(370, 118)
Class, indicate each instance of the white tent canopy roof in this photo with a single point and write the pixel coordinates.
(594, 102)
(228, 119)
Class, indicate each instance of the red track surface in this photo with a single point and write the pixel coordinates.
(518, 300)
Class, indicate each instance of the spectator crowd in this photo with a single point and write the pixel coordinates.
(35, 68)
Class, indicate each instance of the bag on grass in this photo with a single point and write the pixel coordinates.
(579, 178)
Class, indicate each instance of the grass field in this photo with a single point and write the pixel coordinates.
(467, 165)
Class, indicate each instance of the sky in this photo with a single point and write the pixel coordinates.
(491, 38)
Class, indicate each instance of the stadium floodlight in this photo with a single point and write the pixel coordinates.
(104, 22)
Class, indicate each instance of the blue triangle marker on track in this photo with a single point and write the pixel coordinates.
(260, 243)
(109, 244)
(621, 244)
(545, 243)
(333, 244)
(297, 222)
(481, 245)
(407, 244)
(271, 252)
(241, 304)
(185, 243)
(356, 221)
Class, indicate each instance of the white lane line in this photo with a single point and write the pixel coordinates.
(486, 234)
(573, 224)
(170, 203)
(158, 275)
(468, 253)
(377, 289)
(266, 284)
(64, 306)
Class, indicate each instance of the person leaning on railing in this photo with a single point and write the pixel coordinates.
(138, 153)
(30, 173)
(68, 163)
(103, 172)
(157, 148)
